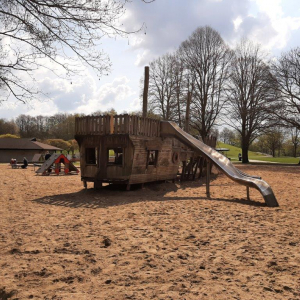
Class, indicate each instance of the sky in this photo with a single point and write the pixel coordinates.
(275, 24)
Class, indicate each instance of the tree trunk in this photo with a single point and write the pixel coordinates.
(245, 148)
(245, 144)
(273, 151)
(245, 159)
(295, 150)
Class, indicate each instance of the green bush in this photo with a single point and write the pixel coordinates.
(8, 135)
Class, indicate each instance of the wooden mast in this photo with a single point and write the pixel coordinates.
(145, 94)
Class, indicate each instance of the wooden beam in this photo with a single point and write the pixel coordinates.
(183, 170)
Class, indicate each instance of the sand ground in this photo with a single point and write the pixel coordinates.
(165, 241)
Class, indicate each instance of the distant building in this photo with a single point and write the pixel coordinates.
(19, 148)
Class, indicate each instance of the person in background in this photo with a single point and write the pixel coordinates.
(47, 156)
(13, 163)
(25, 163)
(240, 157)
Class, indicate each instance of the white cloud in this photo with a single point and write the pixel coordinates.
(273, 23)
(282, 24)
(66, 94)
(169, 24)
(107, 96)
(263, 21)
(143, 58)
(237, 22)
(81, 96)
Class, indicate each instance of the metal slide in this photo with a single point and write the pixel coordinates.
(223, 163)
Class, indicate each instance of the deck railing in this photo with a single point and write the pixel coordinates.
(211, 141)
(118, 124)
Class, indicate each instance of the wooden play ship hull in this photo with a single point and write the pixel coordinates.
(126, 149)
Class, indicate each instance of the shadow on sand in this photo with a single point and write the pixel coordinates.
(115, 195)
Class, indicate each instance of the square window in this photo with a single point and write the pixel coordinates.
(152, 158)
(91, 155)
(115, 156)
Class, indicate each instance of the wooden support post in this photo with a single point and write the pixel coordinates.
(128, 187)
(145, 94)
(207, 178)
(196, 166)
(190, 167)
(85, 184)
(201, 167)
(248, 193)
(183, 171)
(97, 185)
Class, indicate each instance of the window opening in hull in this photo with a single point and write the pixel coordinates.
(115, 156)
(152, 158)
(91, 155)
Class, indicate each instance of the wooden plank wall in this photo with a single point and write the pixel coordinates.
(102, 170)
(165, 169)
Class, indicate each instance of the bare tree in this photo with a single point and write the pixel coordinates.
(163, 86)
(207, 57)
(181, 89)
(274, 139)
(8, 127)
(66, 33)
(227, 136)
(286, 71)
(249, 94)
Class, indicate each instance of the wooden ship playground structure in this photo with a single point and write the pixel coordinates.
(126, 149)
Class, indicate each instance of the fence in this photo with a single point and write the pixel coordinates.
(118, 124)
(211, 141)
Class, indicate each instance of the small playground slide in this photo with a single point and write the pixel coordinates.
(57, 158)
(223, 163)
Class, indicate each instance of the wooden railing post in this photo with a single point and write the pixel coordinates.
(111, 124)
(126, 123)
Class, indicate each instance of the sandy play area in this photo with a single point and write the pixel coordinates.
(165, 241)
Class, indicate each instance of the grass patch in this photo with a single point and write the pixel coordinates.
(234, 152)
(282, 159)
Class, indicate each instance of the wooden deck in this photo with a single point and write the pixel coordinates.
(118, 124)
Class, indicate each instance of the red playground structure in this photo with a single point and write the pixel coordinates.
(59, 163)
